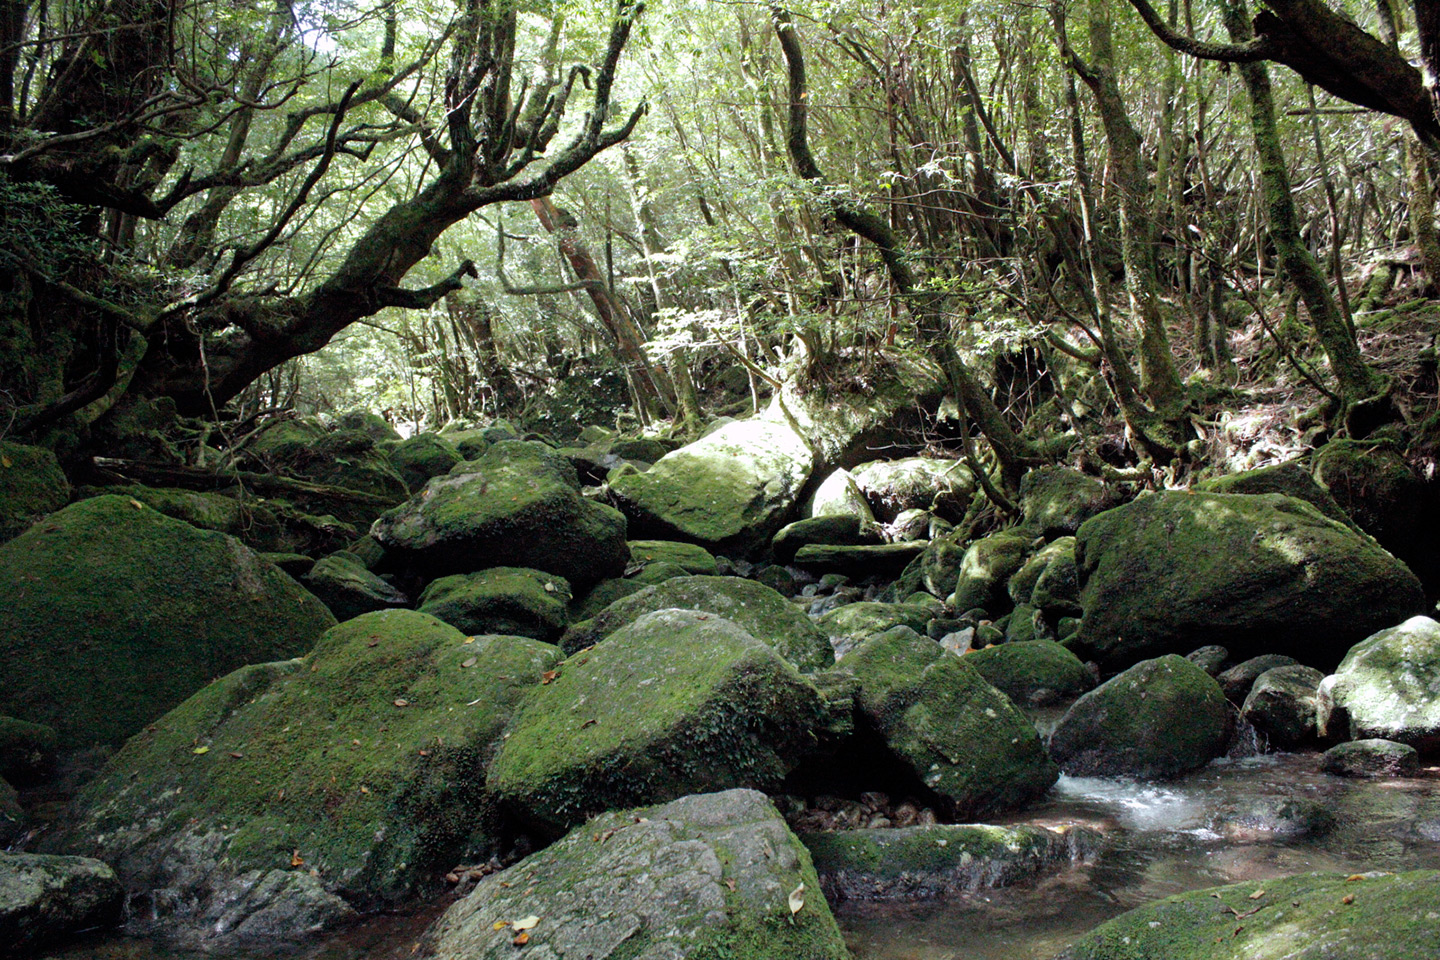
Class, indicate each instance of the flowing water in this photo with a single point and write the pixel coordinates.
(1160, 839)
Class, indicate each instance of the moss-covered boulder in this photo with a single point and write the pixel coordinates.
(31, 485)
(943, 487)
(600, 596)
(839, 496)
(852, 624)
(1257, 574)
(729, 491)
(694, 559)
(250, 522)
(884, 560)
(677, 702)
(1035, 673)
(280, 798)
(711, 876)
(1021, 585)
(1236, 681)
(348, 459)
(964, 739)
(759, 610)
(469, 442)
(1386, 496)
(1371, 758)
(1281, 705)
(114, 613)
(422, 457)
(1055, 500)
(836, 530)
(939, 860)
(45, 900)
(1311, 916)
(1388, 687)
(1291, 479)
(1158, 719)
(519, 505)
(27, 750)
(371, 424)
(504, 600)
(343, 584)
(985, 572)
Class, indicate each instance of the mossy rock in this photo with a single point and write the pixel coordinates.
(1160, 718)
(31, 485)
(422, 457)
(251, 523)
(708, 877)
(940, 860)
(1386, 687)
(985, 571)
(507, 600)
(1237, 680)
(343, 584)
(1313, 916)
(1056, 500)
(13, 819)
(1255, 573)
(729, 491)
(1380, 491)
(519, 505)
(1057, 589)
(838, 496)
(963, 738)
(358, 770)
(695, 559)
(1034, 673)
(1371, 758)
(1291, 479)
(600, 596)
(868, 560)
(940, 564)
(676, 702)
(761, 612)
(371, 424)
(469, 443)
(347, 459)
(892, 486)
(27, 750)
(850, 625)
(842, 530)
(653, 573)
(45, 900)
(1021, 585)
(115, 613)
(1281, 705)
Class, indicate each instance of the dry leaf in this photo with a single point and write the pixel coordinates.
(1348, 899)
(500, 925)
(1354, 876)
(470, 663)
(469, 640)
(136, 504)
(526, 924)
(521, 939)
(424, 753)
(200, 750)
(587, 723)
(1257, 894)
(548, 676)
(796, 899)
(237, 754)
(6, 462)
(296, 860)
(731, 885)
(364, 789)
(402, 702)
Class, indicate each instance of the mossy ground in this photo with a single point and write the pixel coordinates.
(31, 485)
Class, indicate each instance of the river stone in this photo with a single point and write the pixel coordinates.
(1314, 916)
(1036, 673)
(519, 505)
(1388, 687)
(759, 611)
(1268, 819)
(729, 491)
(31, 485)
(502, 600)
(1055, 500)
(1371, 758)
(675, 702)
(283, 797)
(695, 560)
(115, 613)
(867, 560)
(838, 495)
(963, 738)
(1237, 681)
(832, 530)
(1281, 705)
(850, 625)
(44, 899)
(985, 572)
(1258, 574)
(924, 483)
(422, 457)
(343, 584)
(716, 875)
(1158, 719)
(1291, 479)
(1210, 658)
(940, 860)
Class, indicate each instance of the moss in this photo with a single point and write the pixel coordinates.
(114, 613)
(1291, 479)
(882, 560)
(507, 600)
(343, 584)
(603, 594)
(1056, 500)
(943, 487)
(758, 610)
(839, 530)
(985, 571)
(1387, 684)
(423, 456)
(31, 485)
(367, 758)
(1035, 673)
(858, 622)
(26, 749)
(694, 559)
(1305, 917)
(676, 702)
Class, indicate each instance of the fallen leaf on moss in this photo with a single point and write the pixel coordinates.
(402, 702)
(796, 900)
(526, 924)
(296, 860)
(521, 939)
(471, 662)
(200, 750)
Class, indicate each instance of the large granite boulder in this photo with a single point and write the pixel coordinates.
(1158, 719)
(115, 613)
(839, 496)
(676, 702)
(695, 560)
(1371, 758)
(965, 741)
(503, 600)
(282, 798)
(986, 567)
(717, 875)
(852, 624)
(1281, 705)
(1033, 673)
(31, 485)
(1055, 500)
(1388, 687)
(519, 505)
(757, 609)
(45, 899)
(1312, 916)
(728, 491)
(1257, 574)
(1291, 479)
(925, 483)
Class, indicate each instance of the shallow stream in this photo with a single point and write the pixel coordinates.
(1161, 839)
